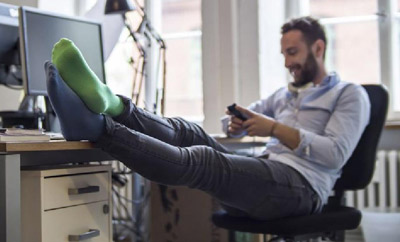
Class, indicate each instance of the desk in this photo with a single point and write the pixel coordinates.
(15, 155)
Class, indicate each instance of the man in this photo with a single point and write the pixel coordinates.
(315, 124)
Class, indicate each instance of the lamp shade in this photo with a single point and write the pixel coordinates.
(118, 6)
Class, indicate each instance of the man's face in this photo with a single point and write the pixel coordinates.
(299, 58)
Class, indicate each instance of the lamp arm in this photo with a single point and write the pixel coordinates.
(154, 33)
(138, 6)
(132, 33)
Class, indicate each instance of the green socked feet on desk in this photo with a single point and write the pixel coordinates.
(83, 81)
(76, 120)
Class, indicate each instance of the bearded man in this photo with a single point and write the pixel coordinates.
(314, 124)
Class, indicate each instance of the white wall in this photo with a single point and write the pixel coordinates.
(272, 71)
(241, 50)
(66, 7)
(219, 57)
(32, 3)
(9, 99)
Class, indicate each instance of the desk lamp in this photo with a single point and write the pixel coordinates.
(145, 30)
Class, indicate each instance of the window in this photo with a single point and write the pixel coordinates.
(180, 26)
(363, 42)
(395, 84)
(352, 36)
(181, 30)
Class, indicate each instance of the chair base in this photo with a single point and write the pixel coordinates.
(337, 236)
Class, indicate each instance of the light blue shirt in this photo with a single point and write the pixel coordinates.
(330, 118)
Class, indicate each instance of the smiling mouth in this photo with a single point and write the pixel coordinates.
(294, 70)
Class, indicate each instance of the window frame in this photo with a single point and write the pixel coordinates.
(389, 49)
(388, 20)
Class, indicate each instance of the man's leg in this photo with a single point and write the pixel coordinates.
(258, 188)
(174, 131)
(98, 98)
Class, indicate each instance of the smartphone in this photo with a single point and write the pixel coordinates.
(232, 109)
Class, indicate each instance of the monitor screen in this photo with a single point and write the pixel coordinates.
(40, 30)
(10, 67)
(9, 54)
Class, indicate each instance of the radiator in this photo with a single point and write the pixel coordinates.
(383, 190)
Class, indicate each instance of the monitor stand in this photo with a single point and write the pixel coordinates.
(29, 116)
(51, 122)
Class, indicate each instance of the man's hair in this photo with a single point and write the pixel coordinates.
(312, 30)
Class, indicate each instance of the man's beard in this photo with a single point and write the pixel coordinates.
(308, 71)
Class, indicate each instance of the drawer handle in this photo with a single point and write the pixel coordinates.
(88, 235)
(83, 190)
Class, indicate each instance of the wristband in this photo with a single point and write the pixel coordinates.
(273, 128)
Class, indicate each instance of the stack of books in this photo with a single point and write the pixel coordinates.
(23, 135)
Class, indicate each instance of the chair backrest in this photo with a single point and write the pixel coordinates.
(358, 171)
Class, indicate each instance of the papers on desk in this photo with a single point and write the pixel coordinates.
(23, 135)
(55, 136)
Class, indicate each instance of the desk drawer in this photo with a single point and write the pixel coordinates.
(75, 221)
(64, 191)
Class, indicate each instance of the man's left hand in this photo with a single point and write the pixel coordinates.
(257, 124)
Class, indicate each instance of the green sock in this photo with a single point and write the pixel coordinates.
(83, 81)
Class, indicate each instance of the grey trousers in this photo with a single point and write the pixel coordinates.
(172, 151)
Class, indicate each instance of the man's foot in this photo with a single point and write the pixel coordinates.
(76, 120)
(83, 81)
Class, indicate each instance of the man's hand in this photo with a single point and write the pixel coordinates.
(257, 124)
(260, 125)
(235, 125)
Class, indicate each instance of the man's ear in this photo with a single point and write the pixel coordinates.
(319, 48)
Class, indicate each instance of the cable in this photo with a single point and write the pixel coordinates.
(13, 87)
(137, 218)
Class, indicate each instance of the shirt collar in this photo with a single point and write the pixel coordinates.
(330, 80)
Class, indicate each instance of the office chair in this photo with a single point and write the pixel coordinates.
(335, 218)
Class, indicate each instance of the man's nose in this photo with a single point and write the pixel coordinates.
(288, 62)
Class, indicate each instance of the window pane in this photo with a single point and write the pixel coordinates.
(396, 75)
(184, 91)
(339, 8)
(184, 94)
(181, 15)
(353, 51)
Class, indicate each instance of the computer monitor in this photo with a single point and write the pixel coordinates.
(40, 30)
(10, 69)
(9, 34)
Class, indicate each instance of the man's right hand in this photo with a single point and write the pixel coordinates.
(235, 125)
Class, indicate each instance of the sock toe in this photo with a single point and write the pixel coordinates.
(59, 47)
(76, 120)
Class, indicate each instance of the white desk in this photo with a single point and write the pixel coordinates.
(13, 156)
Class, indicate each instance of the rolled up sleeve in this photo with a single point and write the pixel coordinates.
(306, 139)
